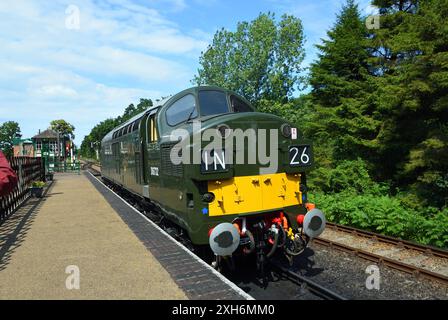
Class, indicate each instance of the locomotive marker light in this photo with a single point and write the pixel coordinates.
(224, 131)
(314, 223)
(286, 130)
(224, 239)
(294, 133)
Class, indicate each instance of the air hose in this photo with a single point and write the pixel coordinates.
(282, 237)
(274, 245)
(252, 243)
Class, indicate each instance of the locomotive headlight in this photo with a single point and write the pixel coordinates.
(208, 197)
(286, 130)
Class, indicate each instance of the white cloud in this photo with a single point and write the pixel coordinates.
(56, 91)
(123, 51)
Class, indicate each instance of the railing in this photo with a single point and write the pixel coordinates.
(67, 167)
(27, 170)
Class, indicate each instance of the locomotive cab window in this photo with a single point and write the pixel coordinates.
(239, 105)
(212, 102)
(182, 110)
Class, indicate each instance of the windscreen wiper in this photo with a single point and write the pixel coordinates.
(191, 114)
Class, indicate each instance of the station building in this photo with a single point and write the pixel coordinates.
(56, 149)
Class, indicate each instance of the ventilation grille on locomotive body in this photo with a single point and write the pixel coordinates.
(168, 168)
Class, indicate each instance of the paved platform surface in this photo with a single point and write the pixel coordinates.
(80, 224)
(73, 225)
(195, 277)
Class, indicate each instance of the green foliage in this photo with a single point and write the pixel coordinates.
(349, 175)
(348, 195)
(412, 95)
(296, 110)
(38, 184)
(386, 215)
(92, 141)
(8, 131)
(64, 128)
(261, 59)
(381, 96)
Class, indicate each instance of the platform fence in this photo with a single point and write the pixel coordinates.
(27, 170)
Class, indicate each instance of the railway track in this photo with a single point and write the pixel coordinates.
(312, 286)
(422, 261)
(364, 244)
(92, 167)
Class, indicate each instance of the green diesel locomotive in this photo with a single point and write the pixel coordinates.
(231, 177)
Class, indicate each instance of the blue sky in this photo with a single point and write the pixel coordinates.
(124, 50)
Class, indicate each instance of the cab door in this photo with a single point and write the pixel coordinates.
(153, 152)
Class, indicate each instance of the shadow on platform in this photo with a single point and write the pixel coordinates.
(14, 229)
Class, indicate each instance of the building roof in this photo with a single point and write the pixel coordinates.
(18, 141)
(47, 134)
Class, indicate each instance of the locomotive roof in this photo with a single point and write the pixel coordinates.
(163, 102)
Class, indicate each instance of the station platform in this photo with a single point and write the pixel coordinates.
(81, 233)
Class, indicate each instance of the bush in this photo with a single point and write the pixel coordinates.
(348, 196)
(386, 215)
(348, 176)
(38, 184)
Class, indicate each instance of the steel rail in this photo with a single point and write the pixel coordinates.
(94, 168)
(381, 260)
(438, 252)
(311, 285)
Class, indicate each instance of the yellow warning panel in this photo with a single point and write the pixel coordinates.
(249, 194)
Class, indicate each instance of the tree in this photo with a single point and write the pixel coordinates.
(8, 131)
(345, 120)
(411, 60)
(65, 129)
(93, 139)
(261, 59)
